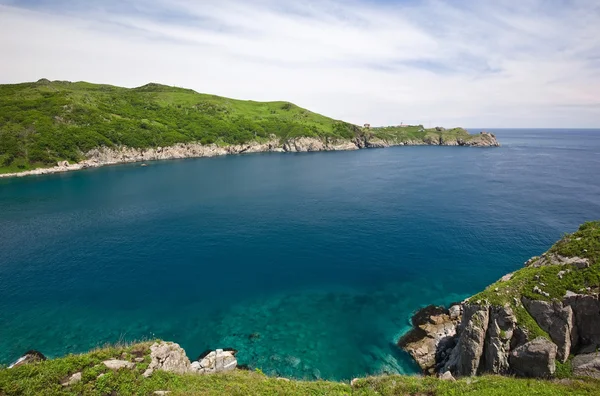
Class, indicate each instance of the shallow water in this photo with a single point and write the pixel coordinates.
(309, 264)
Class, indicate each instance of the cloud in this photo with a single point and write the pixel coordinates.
(488, 63)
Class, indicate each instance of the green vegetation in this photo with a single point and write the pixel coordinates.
(584, 243)
(45, 378)
(45, 122)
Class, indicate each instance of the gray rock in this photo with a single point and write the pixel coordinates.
(466, 356)
(195, 366)
(115, 364)
(75, 378)
(433, 332)
(500, 330)
(447, 376)
(586, 311)
(455, 311)
(556, 320)
(587, 365)
(536, 359)
(168, 356)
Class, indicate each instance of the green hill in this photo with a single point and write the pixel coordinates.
(49, 121)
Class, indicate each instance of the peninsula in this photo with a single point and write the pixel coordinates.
(56, 126)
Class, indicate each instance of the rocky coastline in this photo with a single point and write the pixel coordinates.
(103, 156)
(516, 327)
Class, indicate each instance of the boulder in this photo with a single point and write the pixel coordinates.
(29, 357)
(215, 362)
(586, 313)
(556, 320)
(115, 364)
(536, 359)
(433, 333)
(466, 356)
(168, 356)
(500, 331)
(72, 380)
(587, 365)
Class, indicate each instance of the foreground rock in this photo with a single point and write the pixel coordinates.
(536, 358)
(29, 357)
(218, 361)
(556, 320)
(168, 356)
(432, 336)
(587, 365)
(466, 356)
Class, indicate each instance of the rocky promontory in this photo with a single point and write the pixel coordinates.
(527, 324)
(102, 156)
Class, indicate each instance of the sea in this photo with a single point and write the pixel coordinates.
(309, 264)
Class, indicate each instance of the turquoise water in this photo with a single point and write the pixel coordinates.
(309, 264)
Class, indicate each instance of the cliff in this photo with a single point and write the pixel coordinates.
(58, 122)
(540, 321)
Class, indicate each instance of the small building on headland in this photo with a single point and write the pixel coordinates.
(367, 126)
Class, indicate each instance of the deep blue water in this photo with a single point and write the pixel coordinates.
(321, 257)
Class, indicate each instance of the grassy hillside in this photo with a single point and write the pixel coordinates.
(45, 122)
(45, 378)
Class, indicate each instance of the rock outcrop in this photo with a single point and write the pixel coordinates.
(586, 329)
(556, 320)
(466, 356)
(587, 365)
(502, 324)
(432, 337)
(536, 358)
(215, 362)
(168, 356)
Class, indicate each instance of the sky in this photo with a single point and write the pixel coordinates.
(483, 63)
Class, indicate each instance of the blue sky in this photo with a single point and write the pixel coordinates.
(502, 63)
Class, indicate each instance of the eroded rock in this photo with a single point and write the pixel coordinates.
(431, 338)
(587, 365)
(466, 356)
(536, 359)
(556, 320)
(502, 323)
(586, 311)
(168, 356)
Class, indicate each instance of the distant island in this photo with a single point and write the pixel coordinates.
(55, 126)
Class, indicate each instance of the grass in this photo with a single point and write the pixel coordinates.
(49, 121)
(45, 378)
(583, 243)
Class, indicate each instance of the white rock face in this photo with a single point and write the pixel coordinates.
(168, 356)
(215, 362)
(115, 364)
(75, 378)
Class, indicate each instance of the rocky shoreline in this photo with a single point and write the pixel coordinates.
(111, 156)
(528, 335)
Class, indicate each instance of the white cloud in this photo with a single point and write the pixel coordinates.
(487, 63)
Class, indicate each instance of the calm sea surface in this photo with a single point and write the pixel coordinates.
(309, 264)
